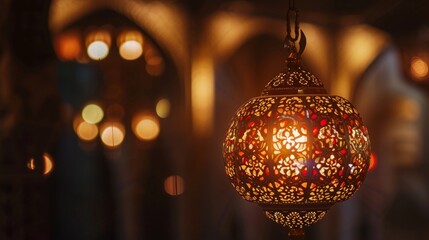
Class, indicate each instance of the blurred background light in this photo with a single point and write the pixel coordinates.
(146, 127)
(68, 46)
(98, 50)
(112, 134)
(163, 108)
(86, 131)
(372, 162)
(48, 164)
(130, 45)
(174, 185)
(92, 113)
(419, 68)
(98, 44)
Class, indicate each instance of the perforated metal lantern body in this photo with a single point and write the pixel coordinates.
(296, 150)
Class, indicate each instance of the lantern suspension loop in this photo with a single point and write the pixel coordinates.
(292, 11)
(294, 44)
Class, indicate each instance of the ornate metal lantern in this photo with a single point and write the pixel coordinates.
(295, 150)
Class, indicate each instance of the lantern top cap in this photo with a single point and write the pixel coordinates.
(295, 80)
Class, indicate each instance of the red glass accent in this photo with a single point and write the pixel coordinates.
(323, 122)
(315, 172)
(304, 172)
(315, 131)
(364, 130)
(372, 162)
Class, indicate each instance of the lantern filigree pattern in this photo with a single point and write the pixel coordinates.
(296, 151)
(295, 219)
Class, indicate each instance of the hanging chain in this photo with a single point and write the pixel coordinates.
(293, 11)
(291, 41)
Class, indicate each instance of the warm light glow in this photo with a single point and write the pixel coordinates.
(98, 44)
(86, 131)
(408, 109)
(130, 50)
(372, 162)
(48, 164)
(202, 95)
(98, 50)
(68, 46)
(146, 127)
(419, 68)
(163, 108)
(92, 113)
(112, 134)
(130, 45)
(174, 185)
(359, 46)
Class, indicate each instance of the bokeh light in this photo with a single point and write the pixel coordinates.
(98, 44)
(419, 68)
(92, 113)
(98, 50)
(86, 131)
(174, 185)
(130, 44)
(68, 46)
(372, 162)
(146, 127)
(48, 164)
(163, 108)
(112, 134)
(130, 50)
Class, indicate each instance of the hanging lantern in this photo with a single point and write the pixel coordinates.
(295, 150)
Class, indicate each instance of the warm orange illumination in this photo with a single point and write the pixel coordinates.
(112, 134)
(163, 108)
(98, 44)
(202, 88)
(48, 164)
(372, 162)
(130, 45)
(358, 47)
(68, 46)
(174, 185)
(92, 113)
(419, 68)
(86, 131)
(146, 127)
(130, 50)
